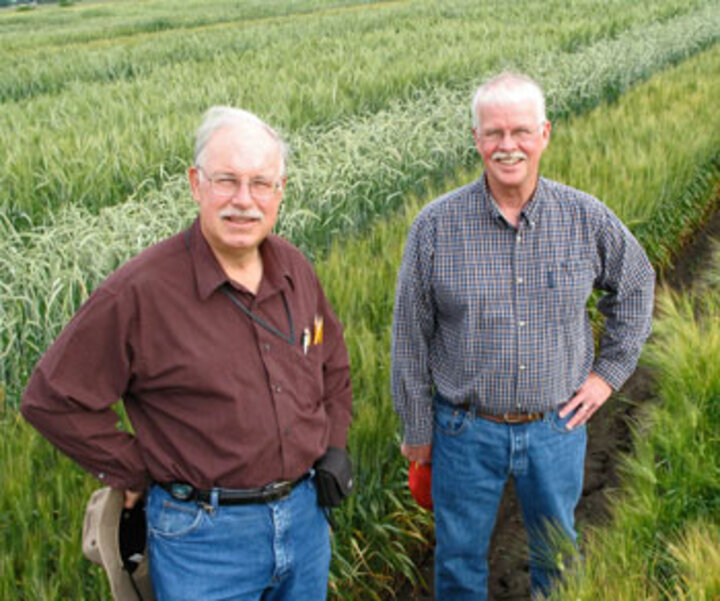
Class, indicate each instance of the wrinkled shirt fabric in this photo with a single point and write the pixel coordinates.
(496, 315)
(215, 398)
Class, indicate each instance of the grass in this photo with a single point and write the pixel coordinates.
(46, 271)
(53, 268)
(342, 86)
(625, 151)
(663, 542)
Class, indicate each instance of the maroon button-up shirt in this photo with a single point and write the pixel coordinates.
(216, 398)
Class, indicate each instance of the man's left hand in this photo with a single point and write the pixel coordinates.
(588, 399)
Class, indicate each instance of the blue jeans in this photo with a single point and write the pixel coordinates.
(472, 459)
(278, 551)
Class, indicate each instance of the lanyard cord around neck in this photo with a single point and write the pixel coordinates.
(260, 321)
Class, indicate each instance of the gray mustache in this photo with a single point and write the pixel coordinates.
(248, 214)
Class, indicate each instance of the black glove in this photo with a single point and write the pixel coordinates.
(333, 477)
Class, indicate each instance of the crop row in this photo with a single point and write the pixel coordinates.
(348, 36)
(54, 267)
(363, 108)
(352, 175)
(26, 32)
(666, 516)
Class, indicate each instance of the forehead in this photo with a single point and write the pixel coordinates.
(243, 149)
(509, 114)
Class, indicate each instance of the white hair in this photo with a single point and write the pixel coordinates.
(508, 88)
(218, 117)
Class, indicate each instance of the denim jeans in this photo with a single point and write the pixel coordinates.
(472, 459)
(278, 551)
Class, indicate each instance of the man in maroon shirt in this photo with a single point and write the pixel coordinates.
(234, 373)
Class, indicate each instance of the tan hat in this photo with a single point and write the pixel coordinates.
(116, 539)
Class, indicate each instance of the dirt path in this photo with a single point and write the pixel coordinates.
(608, 436)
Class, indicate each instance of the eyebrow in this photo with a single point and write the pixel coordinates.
(230, 175)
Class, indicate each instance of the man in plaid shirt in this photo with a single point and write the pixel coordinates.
(494, 371)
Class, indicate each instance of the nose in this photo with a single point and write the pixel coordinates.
(242, 197)
(507, 140)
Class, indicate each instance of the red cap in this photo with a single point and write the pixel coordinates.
(419, 482)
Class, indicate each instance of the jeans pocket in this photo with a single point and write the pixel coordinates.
(449, 421)
(172, 519)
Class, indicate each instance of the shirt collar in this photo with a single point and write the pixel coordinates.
(530, 213)
(209, 275)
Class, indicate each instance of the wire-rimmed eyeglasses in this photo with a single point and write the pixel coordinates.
(227, 186)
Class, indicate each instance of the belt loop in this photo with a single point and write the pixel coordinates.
(214, 498)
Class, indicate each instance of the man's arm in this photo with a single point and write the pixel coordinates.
(337, 396)
(629, 280)
(70, 394)
(413, 325)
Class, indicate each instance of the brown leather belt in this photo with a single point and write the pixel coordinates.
(511, 418)
(503, 418)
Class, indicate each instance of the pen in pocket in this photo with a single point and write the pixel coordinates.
(305, 340)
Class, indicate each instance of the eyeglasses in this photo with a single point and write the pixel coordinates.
(519, 135)
(226, 186)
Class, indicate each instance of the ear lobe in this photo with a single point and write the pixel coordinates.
(476, 138)
(194, 180)
(546, 133)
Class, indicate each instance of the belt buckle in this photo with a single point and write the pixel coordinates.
(182, 491)
(508, 418)
(277, 490)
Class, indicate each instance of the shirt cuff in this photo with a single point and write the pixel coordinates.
(419, 434)
(613, 373)
(137, 484)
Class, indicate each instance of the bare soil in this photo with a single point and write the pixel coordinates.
(608, 439)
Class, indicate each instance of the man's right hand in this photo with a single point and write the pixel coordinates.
(131, 497)
(418, 453)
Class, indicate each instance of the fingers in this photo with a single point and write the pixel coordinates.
(131, 498)
(589, 398)
(572, 404)
(582, 415)
(418, 453)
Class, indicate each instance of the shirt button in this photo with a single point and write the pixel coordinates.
(519, 280)
(278, 388)
(101, 476)
(521, 324)
(522, 368)
(519, 237)
(266, 347)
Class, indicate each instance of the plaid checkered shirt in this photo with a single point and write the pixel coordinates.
(497, 316)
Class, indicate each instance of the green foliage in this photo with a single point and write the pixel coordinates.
(378, 145)
(90, 122)
(663, 542)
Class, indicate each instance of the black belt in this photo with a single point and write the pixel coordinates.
(232, 496)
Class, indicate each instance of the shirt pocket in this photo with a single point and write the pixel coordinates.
(307, 375)
(567, 285)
